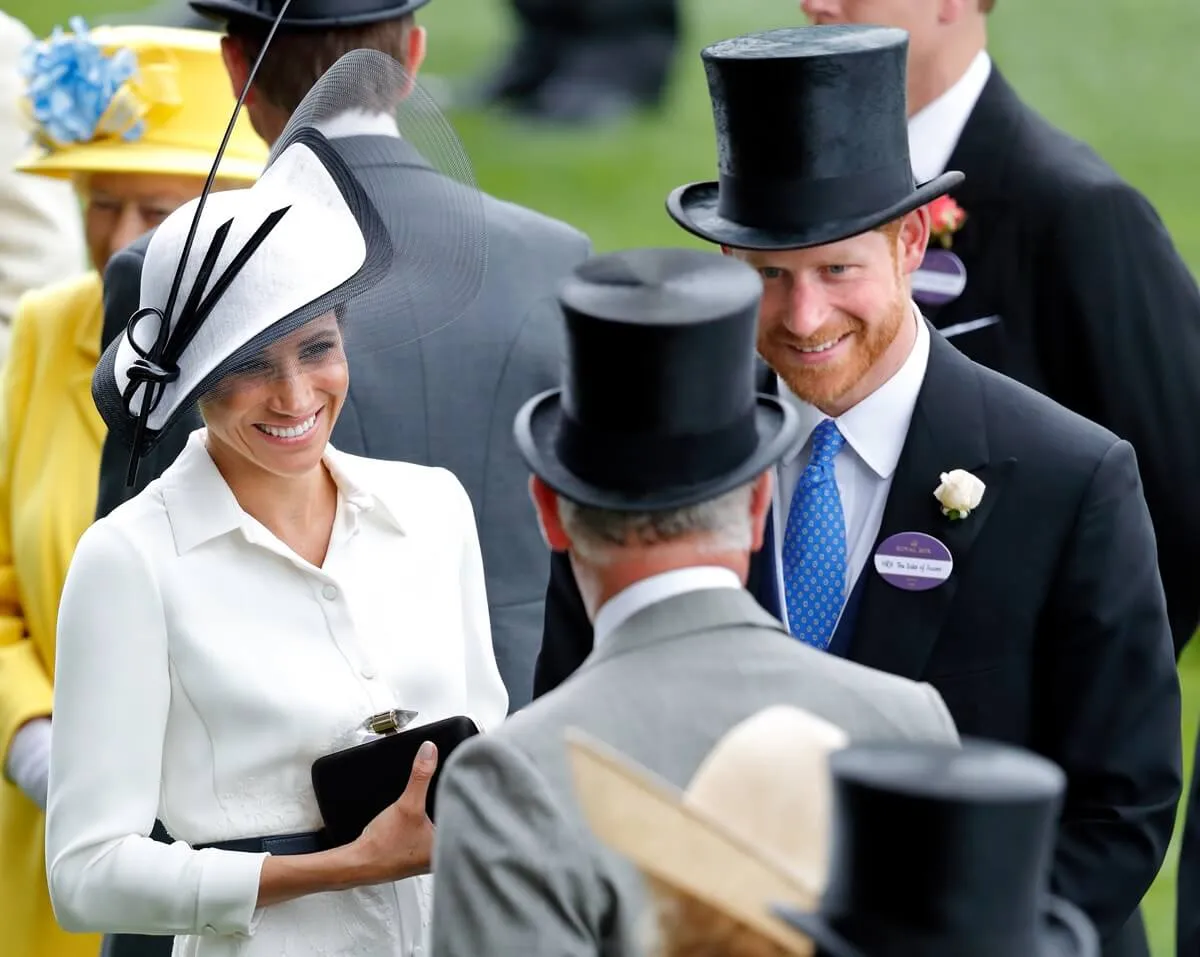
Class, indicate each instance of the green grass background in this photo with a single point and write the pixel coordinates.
(1117, 73)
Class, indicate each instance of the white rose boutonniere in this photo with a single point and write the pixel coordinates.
(959, 494)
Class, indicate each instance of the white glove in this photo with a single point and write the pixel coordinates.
(28, 765)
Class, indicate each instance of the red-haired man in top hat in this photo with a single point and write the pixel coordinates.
(1064, 277)
(936, 519)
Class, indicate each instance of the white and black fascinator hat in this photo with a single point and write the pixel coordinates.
(232, 274)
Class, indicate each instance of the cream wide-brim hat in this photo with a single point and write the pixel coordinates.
(182, 86)
(751, 829)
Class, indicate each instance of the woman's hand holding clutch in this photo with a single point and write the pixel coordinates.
(399, 842)
(396, 845)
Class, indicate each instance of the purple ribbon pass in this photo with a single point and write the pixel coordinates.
(914, 561)
(941, 278)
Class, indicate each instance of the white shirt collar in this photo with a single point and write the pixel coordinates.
(358, 123)
(200, 505)
(933, 133)
(877, 427)
(650, 591)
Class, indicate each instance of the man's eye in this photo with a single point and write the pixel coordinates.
(771, 272)
(837, 269)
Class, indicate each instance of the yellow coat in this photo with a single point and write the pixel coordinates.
(50, 438)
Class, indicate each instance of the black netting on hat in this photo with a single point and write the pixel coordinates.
(416, 170)
(367, 213)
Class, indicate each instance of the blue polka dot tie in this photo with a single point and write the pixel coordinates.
(814, 544)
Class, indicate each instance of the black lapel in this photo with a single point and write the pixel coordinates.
(761, 581)
(983, 154)
(765, 377)
(897, 629)
(987, 145)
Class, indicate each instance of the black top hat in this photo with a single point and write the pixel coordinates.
(812, 139)
(658, 408)
(942, 852)
(309, 14)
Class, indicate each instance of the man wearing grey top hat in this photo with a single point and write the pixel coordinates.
(657, 483)
(935, 519)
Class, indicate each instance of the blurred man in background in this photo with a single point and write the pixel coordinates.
(586, 61)
(1072, 283)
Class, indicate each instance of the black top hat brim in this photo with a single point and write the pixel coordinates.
(536, 429)
(1064, 932)
(694, 207)
(332, 13)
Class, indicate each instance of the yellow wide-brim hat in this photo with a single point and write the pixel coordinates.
(134, 99)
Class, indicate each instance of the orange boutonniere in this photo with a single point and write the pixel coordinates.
(946, 218)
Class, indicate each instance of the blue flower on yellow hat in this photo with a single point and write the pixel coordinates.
(76, 93)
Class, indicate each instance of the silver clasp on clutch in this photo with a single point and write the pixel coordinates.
(389, 722)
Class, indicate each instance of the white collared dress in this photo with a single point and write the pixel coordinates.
(203, 667)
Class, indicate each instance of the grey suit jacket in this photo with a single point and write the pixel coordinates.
(448, 400)
(516, 870)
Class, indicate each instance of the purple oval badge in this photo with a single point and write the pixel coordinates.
(914, 561)
(941, 278)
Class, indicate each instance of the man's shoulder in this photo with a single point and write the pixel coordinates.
(869, 690)
(1027, 423)
(397, 177)
(1023, 423)
(1053, 168)
(536, 251)
(736, 667)
(511, 219)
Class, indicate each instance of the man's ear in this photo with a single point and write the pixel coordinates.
(760, 508)
(415, 49)
(951, 11)
(237, 66)
(913, 239)
(545, 503)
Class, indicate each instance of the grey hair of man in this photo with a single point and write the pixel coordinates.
(599, 536)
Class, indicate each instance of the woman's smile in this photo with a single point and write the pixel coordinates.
(290, 434)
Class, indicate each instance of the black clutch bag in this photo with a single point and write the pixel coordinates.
(353, 786)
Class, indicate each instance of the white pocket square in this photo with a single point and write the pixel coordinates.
(959, 328)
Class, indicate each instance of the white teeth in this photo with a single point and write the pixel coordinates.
(825, 348)
(294, 432)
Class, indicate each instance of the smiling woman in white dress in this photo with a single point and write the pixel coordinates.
(244, 614)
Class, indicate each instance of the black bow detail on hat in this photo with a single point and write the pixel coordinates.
(158, 366)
